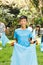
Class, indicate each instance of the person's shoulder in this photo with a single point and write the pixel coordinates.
(2, 23)
(29, 28)
(28, 31)
(17, 29)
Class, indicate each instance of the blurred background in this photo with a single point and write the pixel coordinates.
(10, 10)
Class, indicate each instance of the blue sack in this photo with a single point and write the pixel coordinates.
(4, 39)
(24, 55)
(41, 46)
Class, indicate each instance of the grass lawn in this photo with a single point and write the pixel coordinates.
(6, 52)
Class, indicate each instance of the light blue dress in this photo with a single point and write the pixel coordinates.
(23, 36)
(41, 45)
(4, 39)
(23, 53)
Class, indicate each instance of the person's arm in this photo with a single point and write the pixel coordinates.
(32, 42)
(15, 39)
(4, 28)
(30, 38)
(14, 42)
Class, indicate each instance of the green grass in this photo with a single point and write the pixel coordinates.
(39, 55)
(6, 52)
(5, 55)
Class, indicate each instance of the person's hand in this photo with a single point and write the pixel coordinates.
(36, 42)
(12, 44)
(32, 42)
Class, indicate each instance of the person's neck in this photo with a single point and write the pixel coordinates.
(23, 28)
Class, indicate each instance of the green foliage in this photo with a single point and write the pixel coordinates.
(42, 10)
(39, 20)
(36, 3)
(8, 15)
(12, 27)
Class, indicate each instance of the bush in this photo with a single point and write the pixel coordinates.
(38, 20)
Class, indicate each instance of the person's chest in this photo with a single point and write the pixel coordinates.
(22, 34)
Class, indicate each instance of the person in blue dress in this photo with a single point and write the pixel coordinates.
(22, 35)
(23, 38)
(3, 36)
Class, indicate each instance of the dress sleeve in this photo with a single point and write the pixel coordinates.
(30, 35)
(15, 35)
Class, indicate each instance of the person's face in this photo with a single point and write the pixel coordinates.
(23, 22)
(37, 28)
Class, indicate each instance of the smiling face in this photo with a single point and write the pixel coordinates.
(23, 22)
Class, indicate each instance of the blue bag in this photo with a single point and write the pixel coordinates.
(41, 46)
(24, 55)
(4, 39)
